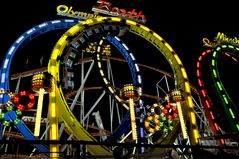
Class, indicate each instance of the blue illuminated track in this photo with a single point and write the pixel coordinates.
(137, 81)
(44, 28)
(4, 72)
(26, 37)
(133, 66)
(127, 53)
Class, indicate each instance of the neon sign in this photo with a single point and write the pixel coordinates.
(220, 38)
(105, 8)
(64, 10)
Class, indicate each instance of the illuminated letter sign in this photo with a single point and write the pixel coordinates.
(221, 37)
(69, 12)
(105, 8)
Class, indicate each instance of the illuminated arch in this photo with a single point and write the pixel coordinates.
(207, 102)
(229, 106)
(5, 69)
(140, 30)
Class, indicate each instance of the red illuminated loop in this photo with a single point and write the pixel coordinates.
(24, 100)
(170, 111)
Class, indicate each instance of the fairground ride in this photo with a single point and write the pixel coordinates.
(116, 108)
(222, 111)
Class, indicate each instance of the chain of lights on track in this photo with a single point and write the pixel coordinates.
(12, 50)
(229, 106)
(140, 30)
(207, 102)
(5, 69)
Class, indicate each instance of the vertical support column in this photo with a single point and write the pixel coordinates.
(54, 148)
(131, 94)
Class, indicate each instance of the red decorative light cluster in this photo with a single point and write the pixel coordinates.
(170, 111)
(24, 100)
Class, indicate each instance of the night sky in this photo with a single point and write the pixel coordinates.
(181, 24)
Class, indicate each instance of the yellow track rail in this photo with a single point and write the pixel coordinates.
(64, 113)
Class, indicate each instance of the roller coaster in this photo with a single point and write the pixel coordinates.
(99, 90)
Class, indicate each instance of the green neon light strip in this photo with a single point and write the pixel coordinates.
(231, 112)
(227, 103)
(219, 86)
(214, 73)
(213, 62)
(225, 98)
(238, 126)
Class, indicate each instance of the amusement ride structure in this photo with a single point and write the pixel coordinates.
(97, 88)
(225, 112)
